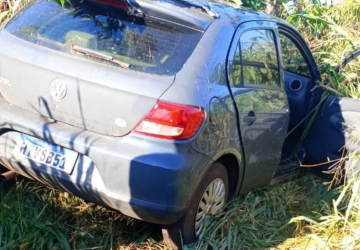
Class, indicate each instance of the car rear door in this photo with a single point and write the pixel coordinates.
(256, 84)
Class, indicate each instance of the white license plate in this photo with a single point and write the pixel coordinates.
(45, 153)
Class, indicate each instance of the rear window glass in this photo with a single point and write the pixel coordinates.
(147, 44)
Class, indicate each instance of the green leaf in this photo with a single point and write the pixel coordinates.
(142, 237)
(63, 240)
(3, 15)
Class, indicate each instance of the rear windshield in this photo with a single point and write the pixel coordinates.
(104, 26)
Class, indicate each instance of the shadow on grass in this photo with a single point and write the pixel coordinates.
(33, 216)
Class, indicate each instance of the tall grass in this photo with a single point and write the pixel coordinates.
(332, 33)
(337, 225)
(35, 217)
(261, 219)
(9, 7)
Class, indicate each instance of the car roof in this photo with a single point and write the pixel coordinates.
(197, 14)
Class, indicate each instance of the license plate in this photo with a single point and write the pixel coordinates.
(45, 153)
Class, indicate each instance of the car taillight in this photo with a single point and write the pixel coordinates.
(171, 121)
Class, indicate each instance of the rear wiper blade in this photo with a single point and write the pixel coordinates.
(96, 54)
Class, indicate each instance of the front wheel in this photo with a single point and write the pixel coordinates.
(209, 199)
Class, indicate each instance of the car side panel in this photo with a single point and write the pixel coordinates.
(203, 82)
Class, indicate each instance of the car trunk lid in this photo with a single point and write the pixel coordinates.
(96, 98)
(120, 66)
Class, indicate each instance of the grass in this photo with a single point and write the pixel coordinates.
(332, 33)
(35, 217)
(9, 7)
(261, 220)
(303, 213)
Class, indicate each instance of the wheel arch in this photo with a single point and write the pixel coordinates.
(235, 170)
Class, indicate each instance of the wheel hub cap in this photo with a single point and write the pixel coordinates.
(212, 201)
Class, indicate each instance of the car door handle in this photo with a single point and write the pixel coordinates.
(250, 118)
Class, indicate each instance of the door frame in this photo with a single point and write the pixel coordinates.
(315, 78)
(299, 41)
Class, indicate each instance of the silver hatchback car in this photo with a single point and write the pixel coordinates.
(163, 110)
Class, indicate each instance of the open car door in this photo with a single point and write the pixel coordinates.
(335, 130)
(332, 131)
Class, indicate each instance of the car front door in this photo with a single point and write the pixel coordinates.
(256, 83)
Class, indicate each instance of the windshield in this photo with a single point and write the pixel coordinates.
(146, 44)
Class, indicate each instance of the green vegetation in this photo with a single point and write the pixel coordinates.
(36, 217)
(304, 213)
(332, 33)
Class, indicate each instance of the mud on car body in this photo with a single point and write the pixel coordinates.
(163, 110)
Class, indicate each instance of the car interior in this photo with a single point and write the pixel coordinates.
(303, 97)
(320, 129)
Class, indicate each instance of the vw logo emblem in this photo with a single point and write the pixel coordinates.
(58, 89)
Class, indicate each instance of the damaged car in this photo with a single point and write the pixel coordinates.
(163, 110)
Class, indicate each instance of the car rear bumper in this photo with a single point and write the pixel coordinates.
(144, 178)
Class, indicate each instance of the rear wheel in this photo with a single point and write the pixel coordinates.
(209, 199)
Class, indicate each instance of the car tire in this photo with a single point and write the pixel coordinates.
(190, 227)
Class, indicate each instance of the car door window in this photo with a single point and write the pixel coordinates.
(236, 68)
(255, 60)
(292, 59)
